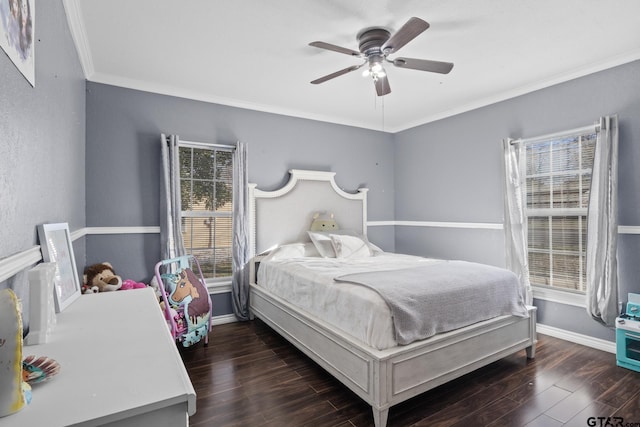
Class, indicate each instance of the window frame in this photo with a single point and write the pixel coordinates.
(214, 284)
(549, 292)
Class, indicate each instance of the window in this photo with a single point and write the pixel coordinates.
(557, 174)
(206, 187)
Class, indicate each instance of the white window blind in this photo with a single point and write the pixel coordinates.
(557, 174)
(206, 185)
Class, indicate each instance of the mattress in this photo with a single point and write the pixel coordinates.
(308, 283)
(388, 299)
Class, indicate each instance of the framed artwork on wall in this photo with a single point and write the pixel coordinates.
(56, 246)
(17, 24)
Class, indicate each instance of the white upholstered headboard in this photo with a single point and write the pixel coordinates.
(284, 215)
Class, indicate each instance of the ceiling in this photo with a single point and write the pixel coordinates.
(255, 54)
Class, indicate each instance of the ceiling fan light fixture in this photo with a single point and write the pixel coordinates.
(374, 46)
(376, 71)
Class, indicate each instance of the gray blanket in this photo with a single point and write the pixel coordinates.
(443, 296)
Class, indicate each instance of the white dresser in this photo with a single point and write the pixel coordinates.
(119, 366)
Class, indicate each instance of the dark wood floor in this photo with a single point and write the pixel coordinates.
(250, 376)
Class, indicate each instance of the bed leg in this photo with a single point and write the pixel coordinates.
(380, 417)
(531, 351)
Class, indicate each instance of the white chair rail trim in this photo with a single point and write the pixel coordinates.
(622, 229)
(12, 264)
(441, 224)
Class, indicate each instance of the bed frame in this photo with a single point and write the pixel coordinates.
(382, 378)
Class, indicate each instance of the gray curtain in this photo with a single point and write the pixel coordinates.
(602, 226)
(515, 222)
(170, 232)
(240, 284)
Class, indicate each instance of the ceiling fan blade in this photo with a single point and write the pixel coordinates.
(333, 47)
(423, 65)
(382, 86)
(336, 74)
(409, 31)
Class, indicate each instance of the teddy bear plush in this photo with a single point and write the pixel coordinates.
(100, 278)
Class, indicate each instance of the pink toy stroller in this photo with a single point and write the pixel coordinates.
(187, 304)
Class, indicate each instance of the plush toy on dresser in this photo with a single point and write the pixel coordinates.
(100, 278)
(103, 278)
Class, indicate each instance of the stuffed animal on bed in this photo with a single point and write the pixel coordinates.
(100, 278)
(322, 223)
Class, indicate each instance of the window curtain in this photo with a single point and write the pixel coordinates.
(602, 226)
(515, 221)
(240, 283)
(171, 242)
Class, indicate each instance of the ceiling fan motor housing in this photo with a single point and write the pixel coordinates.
(370, 40)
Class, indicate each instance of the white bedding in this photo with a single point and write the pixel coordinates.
(444, 296)
(355, 309)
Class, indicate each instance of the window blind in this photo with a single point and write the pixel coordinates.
(206, 184)
(557, 175)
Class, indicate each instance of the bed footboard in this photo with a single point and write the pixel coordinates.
(384, 378)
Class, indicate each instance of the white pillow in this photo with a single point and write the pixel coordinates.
(310, 250)
(374, 249)
(350, 246)
(322, 241)
(292, 250)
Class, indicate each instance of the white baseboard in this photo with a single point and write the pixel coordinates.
(224, 318)
(597, 343)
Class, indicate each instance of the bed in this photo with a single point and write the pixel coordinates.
(372, 365)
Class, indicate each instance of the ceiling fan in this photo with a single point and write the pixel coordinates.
(375, 45)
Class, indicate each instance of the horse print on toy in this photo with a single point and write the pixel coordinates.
(190, 298)
(192, 294)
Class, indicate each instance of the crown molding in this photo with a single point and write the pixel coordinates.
(79, 35)
(168, 90)
(588, 69)
(151, 87)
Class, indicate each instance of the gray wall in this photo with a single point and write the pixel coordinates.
(451, 170)
(123, 163)
(42, 152)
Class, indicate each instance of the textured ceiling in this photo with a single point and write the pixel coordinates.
(254, 54)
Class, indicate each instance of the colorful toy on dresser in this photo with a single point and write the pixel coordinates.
(14, 392)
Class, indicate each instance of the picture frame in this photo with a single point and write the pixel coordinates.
(17, 39)
(56, 246)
